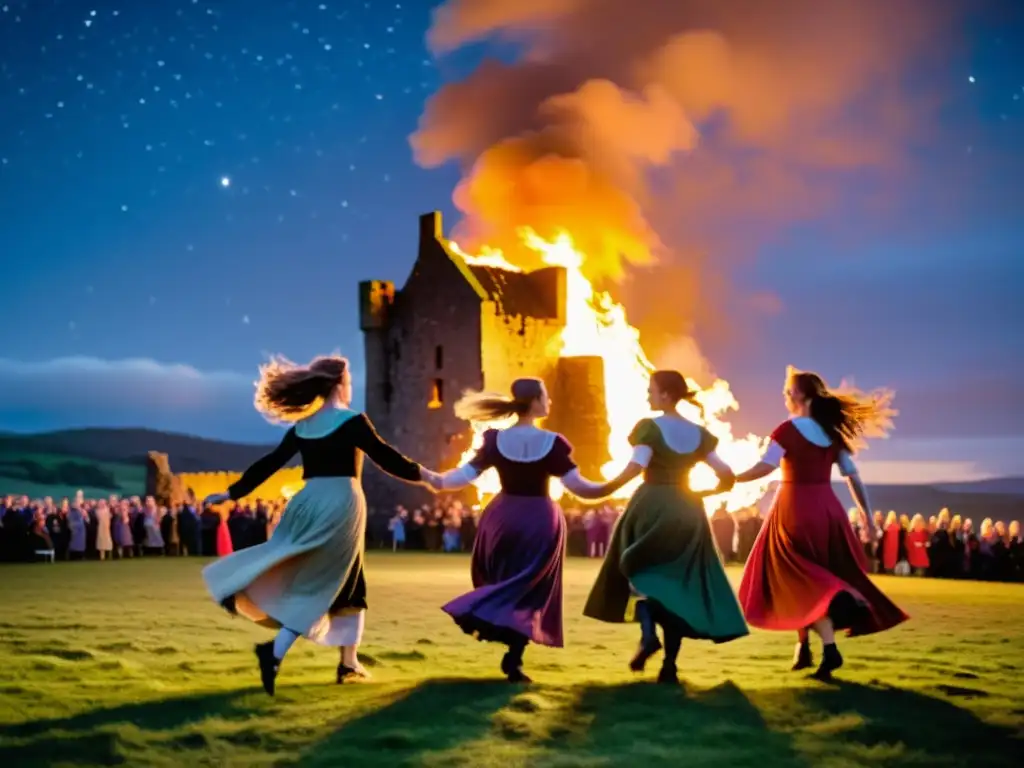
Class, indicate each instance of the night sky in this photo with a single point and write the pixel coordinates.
(187, 186)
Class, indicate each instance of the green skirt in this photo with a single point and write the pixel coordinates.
(663, 550)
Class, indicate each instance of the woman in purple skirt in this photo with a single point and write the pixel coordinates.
(520, 543)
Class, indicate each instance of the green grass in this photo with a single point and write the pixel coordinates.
(130, 663)
(130, 478)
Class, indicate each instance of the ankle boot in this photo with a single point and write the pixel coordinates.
(831, 660)
(803, 658)
(649, 642)
(668, 675)
(269, 666)
(512, 666)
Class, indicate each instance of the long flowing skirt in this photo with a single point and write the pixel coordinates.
(308, 577)
(517, 573)
(807, 564)
(662, 548)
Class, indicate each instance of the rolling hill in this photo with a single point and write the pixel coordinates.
(130, 446)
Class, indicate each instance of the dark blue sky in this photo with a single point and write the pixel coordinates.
(187, 186)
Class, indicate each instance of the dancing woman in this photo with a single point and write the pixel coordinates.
(307, 580)
(807, 569)
(662, 551)
(520, 543)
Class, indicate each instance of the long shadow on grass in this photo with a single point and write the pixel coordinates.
(934, 728)
(434, 716)
(653, 725)
(90, 738)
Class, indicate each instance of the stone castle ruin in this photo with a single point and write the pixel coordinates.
(455, 326)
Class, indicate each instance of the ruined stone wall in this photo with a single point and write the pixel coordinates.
(205, 483)
(513, 347)
(432, 353)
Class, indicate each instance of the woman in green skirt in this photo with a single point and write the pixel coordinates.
(662, 555)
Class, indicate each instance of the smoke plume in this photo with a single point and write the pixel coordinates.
(682, 132)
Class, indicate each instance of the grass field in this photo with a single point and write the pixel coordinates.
(130, 478)
(130, 663)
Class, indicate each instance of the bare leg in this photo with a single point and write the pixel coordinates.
(803, 658)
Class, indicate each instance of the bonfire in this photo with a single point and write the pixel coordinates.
(596, 325)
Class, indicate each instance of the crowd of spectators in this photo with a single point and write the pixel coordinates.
(944, 546)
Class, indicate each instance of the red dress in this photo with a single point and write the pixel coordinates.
(807, 563)
(891, 547)
(917, 549)
(224, 547)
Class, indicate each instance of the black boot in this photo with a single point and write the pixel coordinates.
(512, 665)
(228, 604)
(668, 675)
(649, 643)
(269, 665)
(831, 660)
(803, 658)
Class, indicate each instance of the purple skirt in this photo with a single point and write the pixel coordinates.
(517, 573)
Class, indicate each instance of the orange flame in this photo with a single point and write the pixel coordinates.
(597, 326)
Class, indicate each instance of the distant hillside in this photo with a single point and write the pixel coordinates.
(927, 500)
(130, 446)
(1012, 486)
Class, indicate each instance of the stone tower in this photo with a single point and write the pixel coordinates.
(454, 326)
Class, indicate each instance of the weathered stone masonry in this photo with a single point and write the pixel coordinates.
(453, 327)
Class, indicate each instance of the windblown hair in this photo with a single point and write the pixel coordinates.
(485, 407)
(848, 415)
(673, 384)
(286, 391)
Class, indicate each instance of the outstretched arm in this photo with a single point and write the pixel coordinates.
(726, 477)
(383, 455)
(261, 471)
(454, 479)
(582, 488)
(769, 463)
(849, 470)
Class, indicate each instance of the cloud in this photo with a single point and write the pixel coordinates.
(681, 132)
(139, 392)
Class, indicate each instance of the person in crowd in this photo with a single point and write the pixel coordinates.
(104, 539)
(917, 546)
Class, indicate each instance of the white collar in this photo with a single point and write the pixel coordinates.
(322, 423)
(812, 431)
(525, 443)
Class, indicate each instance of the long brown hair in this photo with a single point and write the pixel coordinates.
(847, 415)
(488, 406)
(675, 387)
(287, 391)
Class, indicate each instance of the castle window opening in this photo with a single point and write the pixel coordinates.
(439, 357)
(388, 394)
(436, 395)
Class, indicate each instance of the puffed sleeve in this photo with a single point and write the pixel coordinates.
(559, 458)
(483, 459)
(778, 444)
(642, 438)
(383, 455)
(266, 466)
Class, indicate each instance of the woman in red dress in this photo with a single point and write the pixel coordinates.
(891, 543)
(807, 568)
(917, 545)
